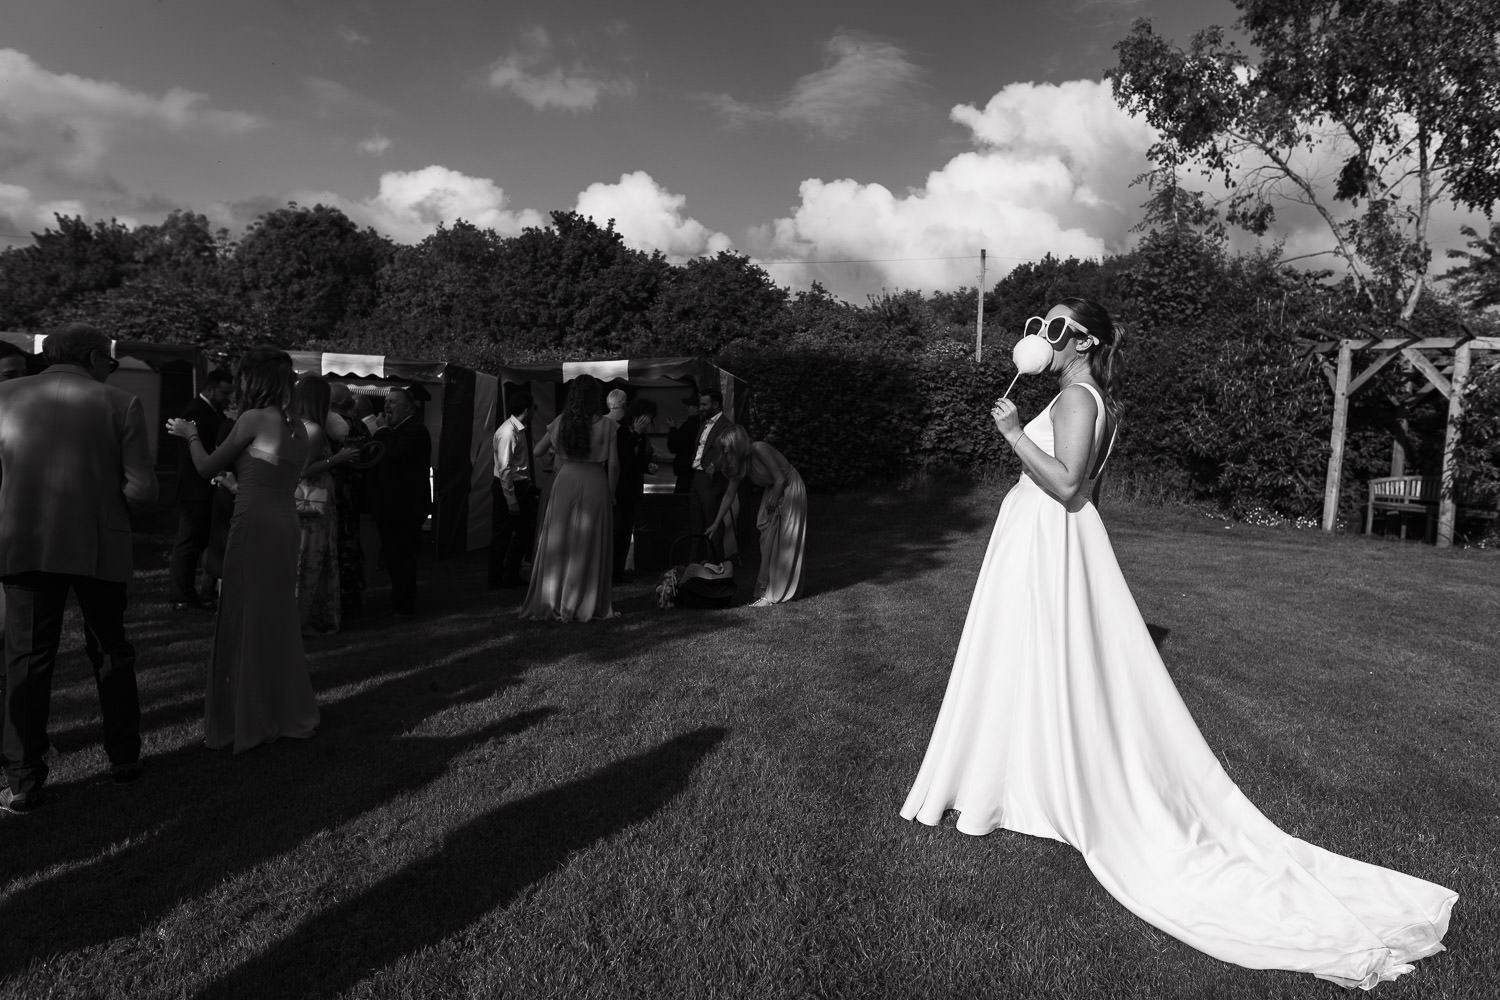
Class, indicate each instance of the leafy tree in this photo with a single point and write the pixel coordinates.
(712, 302)
(1478, 280)
(441, 296)
(62, 265)
(302, 272)
(1417, 121)
(576, 287)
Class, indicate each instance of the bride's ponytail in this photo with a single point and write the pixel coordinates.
(1106, 360)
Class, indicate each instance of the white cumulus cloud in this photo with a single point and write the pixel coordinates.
(649, 217)
(71, 122)
(410, 205)
(1050, 173)
(533, 71)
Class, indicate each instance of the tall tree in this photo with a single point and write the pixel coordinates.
(441, 296)
(575, 287)
(304, 271)
(710, 303)
(61, 266)
(1406, 91)
(1477, 281)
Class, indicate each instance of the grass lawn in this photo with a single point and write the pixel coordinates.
(704, 804)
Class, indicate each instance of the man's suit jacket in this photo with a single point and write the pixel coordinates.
(192, 487)
(400, 483)
(713, 452)
(682, 442)
(74, 452)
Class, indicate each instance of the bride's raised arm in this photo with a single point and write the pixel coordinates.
(1073, 418)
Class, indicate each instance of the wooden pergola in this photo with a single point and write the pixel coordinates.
(1445, 362)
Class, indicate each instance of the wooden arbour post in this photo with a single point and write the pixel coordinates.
(1451, 383)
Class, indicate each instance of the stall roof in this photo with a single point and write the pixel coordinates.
(369, 366)
(641, 371)
(145, 351)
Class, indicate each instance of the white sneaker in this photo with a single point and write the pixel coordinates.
(762, 602)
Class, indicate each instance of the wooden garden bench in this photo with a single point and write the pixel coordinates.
(1413, 495)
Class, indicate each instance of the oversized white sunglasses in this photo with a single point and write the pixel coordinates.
(1055, 330)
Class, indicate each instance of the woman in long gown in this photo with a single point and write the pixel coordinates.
(570, 572)
(258, 687)
(318, 592)
(781, 518)
(1060, 721)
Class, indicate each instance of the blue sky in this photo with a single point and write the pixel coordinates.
(899, 135)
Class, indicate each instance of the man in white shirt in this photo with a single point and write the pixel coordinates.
(513, 496)
(709, 482)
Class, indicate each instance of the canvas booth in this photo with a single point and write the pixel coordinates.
(460, 419)
(165, 377)
(661, 514)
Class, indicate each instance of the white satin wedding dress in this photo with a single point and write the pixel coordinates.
(1060, 721)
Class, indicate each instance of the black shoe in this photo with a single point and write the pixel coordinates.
(124, 774)
(20, 803)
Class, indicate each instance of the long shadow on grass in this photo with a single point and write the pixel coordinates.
(484, 864)
(887, 537)
(199, 817)
(244, 819)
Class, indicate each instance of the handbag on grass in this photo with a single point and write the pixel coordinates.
(707, 584)
(312, 499)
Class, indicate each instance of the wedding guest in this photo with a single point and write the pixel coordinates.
(570, 573)
(349, 498)
(709, 481)
(402, 491)
(195, 499)
(12, 362)
(615, 401)
(781, 519)
(633, 448)
(513, 496)
(77, 459)
(682, 442)
(318, 591)
(13, 365)
(258, 686)
(1061, 721)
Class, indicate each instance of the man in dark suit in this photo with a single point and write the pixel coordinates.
(634, 457)
(76, 457)
(682, 442)
(709, 482)
(401, 490)
(195, 496)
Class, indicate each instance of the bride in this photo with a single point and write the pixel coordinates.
(1060, 721)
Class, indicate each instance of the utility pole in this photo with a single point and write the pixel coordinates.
(979, 322)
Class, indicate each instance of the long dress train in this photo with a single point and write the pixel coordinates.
(571, 569)
(258, 687)
(1060, 721)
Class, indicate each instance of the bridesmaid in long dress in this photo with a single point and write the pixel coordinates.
(318, 591)
(258, 687)
(781, 519)
(1061, 721)
(570, 573)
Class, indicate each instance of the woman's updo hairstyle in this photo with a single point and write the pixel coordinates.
(1105, 360)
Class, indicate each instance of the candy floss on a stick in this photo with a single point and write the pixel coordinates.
(1030, 356)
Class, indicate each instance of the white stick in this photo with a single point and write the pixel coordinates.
(1012, 385)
